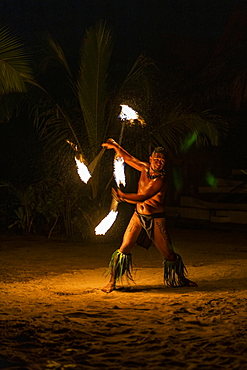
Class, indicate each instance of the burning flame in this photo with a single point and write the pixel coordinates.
(106, 223)
(119, 174)
(129, 114)
(82, 170)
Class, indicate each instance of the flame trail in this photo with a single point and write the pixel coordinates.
(82, 170)
(106, 223)
(119, 174)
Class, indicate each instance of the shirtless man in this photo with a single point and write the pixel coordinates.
(149, 216)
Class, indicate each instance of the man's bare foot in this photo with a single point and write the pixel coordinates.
(109, 288)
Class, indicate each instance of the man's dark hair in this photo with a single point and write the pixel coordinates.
(160, 149)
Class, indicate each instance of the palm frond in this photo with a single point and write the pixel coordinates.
(15, 69)
(55, 123)
(53, 54)
(92, 85)
(178, 126)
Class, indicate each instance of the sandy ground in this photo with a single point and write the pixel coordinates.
(53, 314)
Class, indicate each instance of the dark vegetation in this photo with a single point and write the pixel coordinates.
(47, 98)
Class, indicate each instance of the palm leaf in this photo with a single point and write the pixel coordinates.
(177, 126)
(15, 68)
(53, 54)
(92, 85)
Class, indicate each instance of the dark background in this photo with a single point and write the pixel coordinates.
(189, 32)
(138, 25)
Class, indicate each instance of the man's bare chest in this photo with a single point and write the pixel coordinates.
(144, 181)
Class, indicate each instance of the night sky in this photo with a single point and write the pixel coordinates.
(138, 25)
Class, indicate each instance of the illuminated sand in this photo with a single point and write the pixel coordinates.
(54, 316)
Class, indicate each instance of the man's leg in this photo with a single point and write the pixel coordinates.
(121, 262)
(174, 269)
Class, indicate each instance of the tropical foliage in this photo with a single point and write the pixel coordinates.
(78, 124)
(16, 73)
(22, 204)
(75, 110)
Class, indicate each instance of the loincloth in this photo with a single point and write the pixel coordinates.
(145, 237)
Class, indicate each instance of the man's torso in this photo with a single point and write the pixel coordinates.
(154, 204)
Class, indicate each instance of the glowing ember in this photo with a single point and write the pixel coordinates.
(82, 170)
(119, 174)
(127, 113)
(106, 223)
(73, 146)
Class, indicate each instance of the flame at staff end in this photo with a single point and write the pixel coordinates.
(106, 223)
(129, 114)
(119, 174)
(82, 170)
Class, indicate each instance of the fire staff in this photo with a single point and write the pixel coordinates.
(147, 224)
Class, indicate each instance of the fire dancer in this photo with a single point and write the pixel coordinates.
(147, 224)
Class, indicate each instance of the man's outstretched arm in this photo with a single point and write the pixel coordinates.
(127, 157)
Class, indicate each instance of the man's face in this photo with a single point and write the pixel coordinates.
(157, 161)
